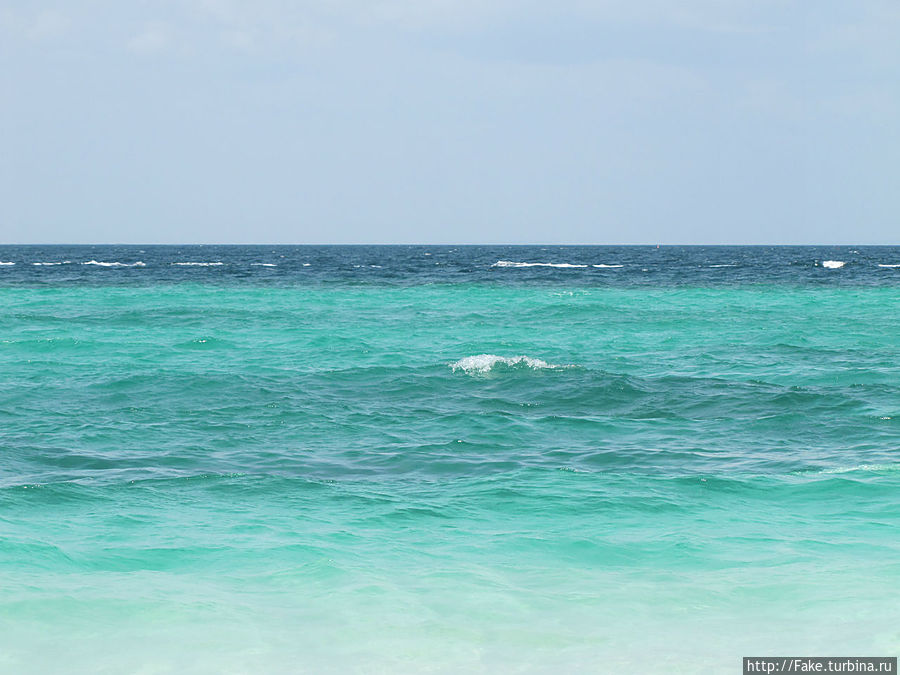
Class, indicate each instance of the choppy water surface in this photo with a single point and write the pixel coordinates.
(407, 459)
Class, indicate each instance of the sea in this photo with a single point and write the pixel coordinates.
(447, 459)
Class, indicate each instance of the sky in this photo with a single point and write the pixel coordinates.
(434, 121)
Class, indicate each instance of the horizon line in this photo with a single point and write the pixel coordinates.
(655, 244)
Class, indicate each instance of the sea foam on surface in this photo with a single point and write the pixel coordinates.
(833, 264)
(512, 263)
(483, 363)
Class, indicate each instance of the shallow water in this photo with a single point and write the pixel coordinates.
(407, 459)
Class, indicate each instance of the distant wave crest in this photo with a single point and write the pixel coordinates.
(263, 265)
(484, 363)
(601, 265)
(6, 263)
(512, 263)
(833, 264)
(99, 263)
(872, 468)
(50, 264)
(198, 264)
(888, 265)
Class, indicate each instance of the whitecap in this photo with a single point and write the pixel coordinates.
(198, 264)
(6, 264)
(728, 265)
(306, 264)
(876, 468)
(263, 265)
(48, 264)
(484, 363)
(511, 263)
(607, 266)
(114, 264)
(833, 264)
(888, 265)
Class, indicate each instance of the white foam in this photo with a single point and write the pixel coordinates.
(887, 265)
(47, 264)
(306, 264)
(263, 265)
(607, 266)
(511, 263)
(729, 265)
(484, 363)
(878, 468)
(114, 264)
(833, 264)
(198, 264)
(6, 264)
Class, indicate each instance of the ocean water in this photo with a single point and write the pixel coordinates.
(447, 459)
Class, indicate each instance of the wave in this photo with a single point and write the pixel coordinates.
(728, 265)
(833, 264)
(484, 363)
(607, 266)
(306, 264)
(888, 265)
(48, 264)
(263, 265)
(511, 263)
(6, 264)
(114, 264)
(198, 264)
(871, 468)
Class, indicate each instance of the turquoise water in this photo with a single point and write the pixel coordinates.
(226, 469)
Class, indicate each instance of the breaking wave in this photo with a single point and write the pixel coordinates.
(512, 263)
(484, 363)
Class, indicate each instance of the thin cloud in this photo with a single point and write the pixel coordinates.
(155, 37)
(48, 24)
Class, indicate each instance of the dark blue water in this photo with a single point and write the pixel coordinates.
(624, 266)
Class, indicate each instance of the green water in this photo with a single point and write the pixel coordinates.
(328, 478)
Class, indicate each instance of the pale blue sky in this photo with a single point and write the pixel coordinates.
(638, 121)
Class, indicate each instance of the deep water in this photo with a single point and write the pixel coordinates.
(447, 459)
